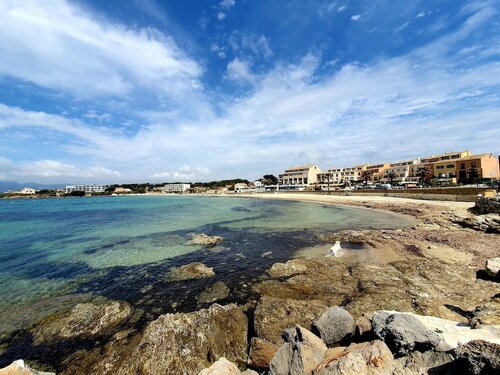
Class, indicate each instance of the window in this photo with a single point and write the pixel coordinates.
(440, 167)
(450, 166)
(462, 165)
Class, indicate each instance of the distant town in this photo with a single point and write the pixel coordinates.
(444, 170)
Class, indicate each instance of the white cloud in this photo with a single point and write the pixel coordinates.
(227, 4)
(249, 42)
(356, 17)
(87, 56)
(221, 15)
(238, 70)
(421, 14)
(341, 8)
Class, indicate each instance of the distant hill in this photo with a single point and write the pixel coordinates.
(12, 185)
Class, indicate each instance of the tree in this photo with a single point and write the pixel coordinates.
(391, 176)
(366, 175)
(269, 179)
(473, 174)
(422, 173)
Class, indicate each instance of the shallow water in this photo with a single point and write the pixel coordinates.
(52, 250)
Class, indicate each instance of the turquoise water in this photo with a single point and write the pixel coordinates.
(118, 247)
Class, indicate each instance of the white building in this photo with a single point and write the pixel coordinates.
(176, 188)
(304, 175)
(400, 170)
(92, 188)
(27, 191)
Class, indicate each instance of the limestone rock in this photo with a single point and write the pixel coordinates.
(290, 268)
(221, 367)
(334, 325)
(486, 314)
(360, 359)
(204, 240)
(300, 355)
(187, 343)
(195, 270)
(493, 268)
(274, 315)
(213, 293)
(404, 333)
(418, 363)
(85, 320)
(20, 368)
(479, 357)
(261, 353)
(363, 325)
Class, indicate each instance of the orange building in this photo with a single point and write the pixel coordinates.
(477, 166)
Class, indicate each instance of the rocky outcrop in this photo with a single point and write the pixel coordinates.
(203, 239)
(493, 268)
(195, 270)
(430, 362)
(486, 314)
(404, 333)
(489, 223)
(85, 320)
(215, 292)
(273, 315)
(368, 358)
(335, 325)
(479, 357)
(182, 344)
(261, 353)
(288, 269)
(20, 368)
(485, 205)
(299, 355)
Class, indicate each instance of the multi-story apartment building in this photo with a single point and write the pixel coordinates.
(354, 174)
(334, 176)
(176, 188)
(377, 171)
(477, 166)
(414, 175)
(300, 175)
(400, 170)
(87, 188)
(446, 156)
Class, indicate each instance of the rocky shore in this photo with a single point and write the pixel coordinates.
(418, 300)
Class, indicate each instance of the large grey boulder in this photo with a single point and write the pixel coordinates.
(403, 333)
(334, 325)
(367, 358)
(299, 355)
(479, 357)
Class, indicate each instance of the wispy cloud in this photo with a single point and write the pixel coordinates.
(356, 17)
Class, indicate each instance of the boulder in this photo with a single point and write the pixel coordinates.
(187, 343)
(273, 315)
(213, 293)
(363, 325)
(195, 270)
(428, 362)
(361, 359)
(204, 240)
(20, 368)
(404, 333)
(335, 325)
(493, 268)
(486, 314)
(85, 320)
(288, 269)
(261, 353)
(221, 367)
(479, 357)
(299, 355)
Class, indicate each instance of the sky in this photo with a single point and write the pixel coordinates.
(159, 91)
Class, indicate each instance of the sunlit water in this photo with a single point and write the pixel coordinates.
(123, 247)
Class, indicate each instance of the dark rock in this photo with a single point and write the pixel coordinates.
(335, 325)
(429, 362)
(213, 293)
(479, 357)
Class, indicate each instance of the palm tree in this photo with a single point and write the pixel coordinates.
(391, 176)
(367, 175)
(422, 173)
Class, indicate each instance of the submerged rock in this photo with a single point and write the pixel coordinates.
(479, 357)
(288, 269)
(334, 325)
(195, 270)
(214, 292)
(367, 358)
(299, 355)
(204, 240)
(20, 368)
(85, 320)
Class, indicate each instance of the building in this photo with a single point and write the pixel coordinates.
(88, 189)
(27, 191)
(415, 172)
(334, 177)
(353, 175)
(241, 187)
(400, 170)
(477, 166)
(121, 190)
(377, 171)
(304, 175)
(176, 188)
(446, 156)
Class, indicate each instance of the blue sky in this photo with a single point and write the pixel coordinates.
(128, 91)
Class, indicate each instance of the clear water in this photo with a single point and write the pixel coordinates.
(119, 246)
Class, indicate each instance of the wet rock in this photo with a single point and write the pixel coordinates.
(290, 268)
(428, 362)
(185, 343)
(486, 314)
(335, 325)
(20, 368)
(479, 357)
(195, 270)
(221, 367)
(300, 355)
(213, 293)
(261, 353)
(85, 320)
(360, 359)
(204, 240)
(489, 223)
(493, 268)
(403, 332)
(274, 315)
